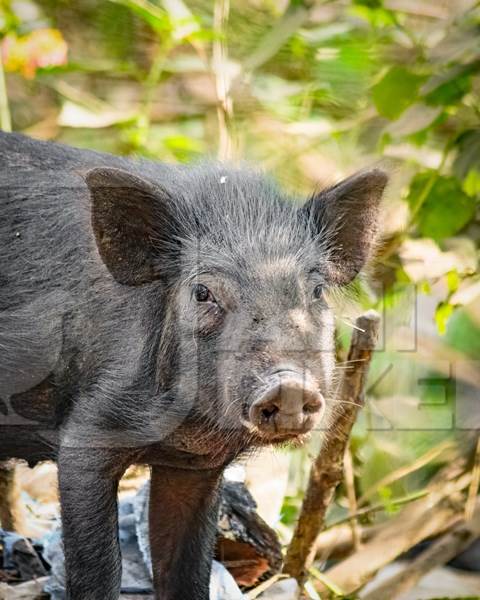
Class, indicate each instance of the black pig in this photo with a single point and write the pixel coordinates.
(165, 315)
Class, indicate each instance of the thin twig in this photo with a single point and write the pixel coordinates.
(336, 539)
(474, 485)
(349, 477)
(283, 29)
(327, 469)
(222, 79)
(9, 493)
(406, 470)
(439, 553)
(152, 81)
(419, 520)
(264, 586)
(5, 118)
(374, 508)
(431, 181)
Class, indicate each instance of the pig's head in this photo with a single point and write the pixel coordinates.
(240, 275)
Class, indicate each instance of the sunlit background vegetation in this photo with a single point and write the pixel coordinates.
(309, 91)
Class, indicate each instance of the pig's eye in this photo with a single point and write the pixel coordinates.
(318, 293)
(202, 294)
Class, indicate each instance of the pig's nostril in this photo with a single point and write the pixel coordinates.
(269, 412)
(313, 402)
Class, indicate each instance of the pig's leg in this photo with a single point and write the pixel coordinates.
(88, 481)
(183, 517)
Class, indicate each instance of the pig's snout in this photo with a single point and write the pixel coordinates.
(288, 406)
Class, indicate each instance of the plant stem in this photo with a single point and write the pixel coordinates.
(474, 486)
(151, 84)
(369, 510)
(429, 184)
(5, 118)
(349, 481)
(223, 80)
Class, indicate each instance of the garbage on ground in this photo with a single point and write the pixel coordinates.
(245, 543)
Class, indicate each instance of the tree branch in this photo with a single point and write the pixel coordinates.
(327, 469)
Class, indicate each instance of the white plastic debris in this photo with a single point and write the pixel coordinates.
(285, 589)
(223, 585)
(136, 561)
(235, 472)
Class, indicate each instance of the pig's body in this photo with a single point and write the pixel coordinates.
(67, 328)
(162, 315)
(52, 294)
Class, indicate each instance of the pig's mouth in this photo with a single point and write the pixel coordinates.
(291, 439)
(295, 440)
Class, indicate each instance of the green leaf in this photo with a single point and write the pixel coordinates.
(149, 12)
(468, 155)
(453, 281)
(450, 92)
(471, 183)
(449, 87)
(442, 313)
(463, 334)
(418, 185)
(345, 67)
(415, 119)
(446, 208)
(396, 92)
(182, 19)
(369, 3)
(425, 288)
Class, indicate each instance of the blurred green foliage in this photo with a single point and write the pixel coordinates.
(309, 90)
(314, 89)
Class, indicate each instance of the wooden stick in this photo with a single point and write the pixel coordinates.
(349, 478)
(439, 553)
(9, 497)
(327, 469)
(422, 519)
(30, 590)
(474, 486)
(335, 541)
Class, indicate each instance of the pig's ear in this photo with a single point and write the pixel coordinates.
(344, 219)
(131, 222)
